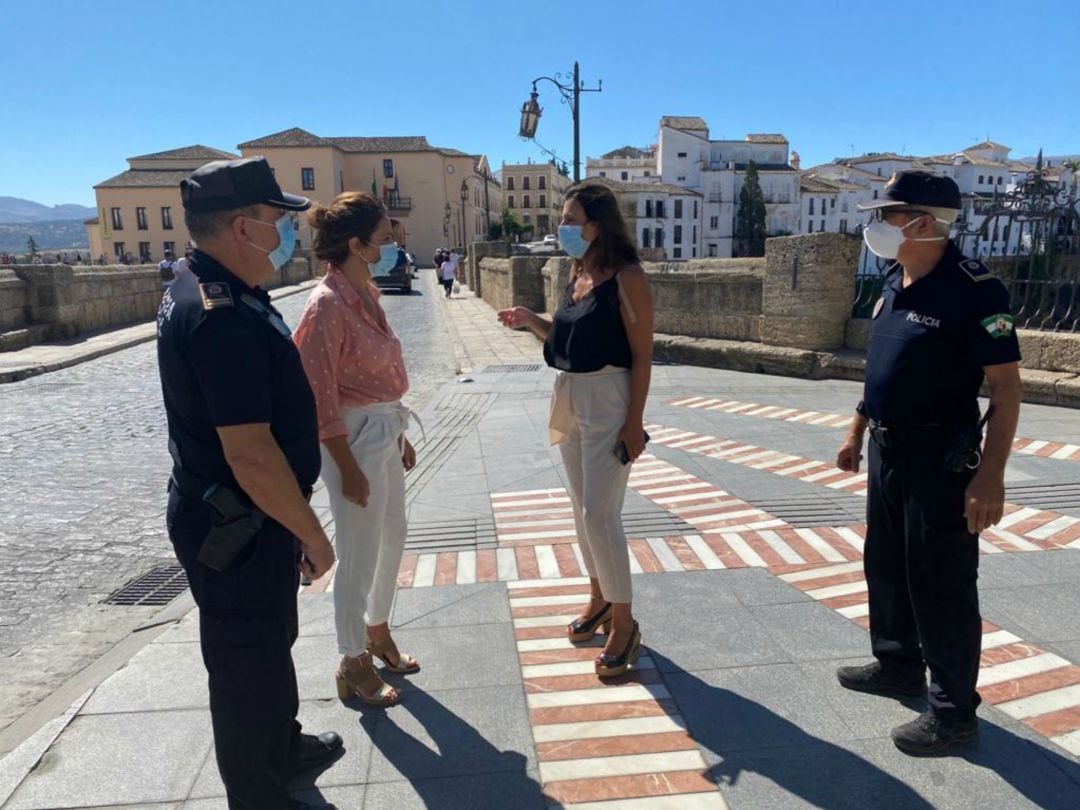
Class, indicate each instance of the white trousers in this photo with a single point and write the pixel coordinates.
(369, 541)
(588, 411)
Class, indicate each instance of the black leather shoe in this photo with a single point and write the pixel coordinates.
(931, 733)
(311, 751)
(579, 630)
(876, 679)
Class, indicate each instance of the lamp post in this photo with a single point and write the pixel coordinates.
(571, 94)
(464, 199)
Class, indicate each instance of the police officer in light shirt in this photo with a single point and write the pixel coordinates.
(942, 325)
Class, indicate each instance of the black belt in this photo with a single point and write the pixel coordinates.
(890, 436)
(191, 485)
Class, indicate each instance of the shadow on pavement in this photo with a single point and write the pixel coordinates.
(828, 776)
(491, 778)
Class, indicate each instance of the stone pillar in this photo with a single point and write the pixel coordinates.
(478, 251)
(51, 298)
(556, 274)
(527, 282)
(808, 290)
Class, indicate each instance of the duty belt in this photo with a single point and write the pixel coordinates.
(195, 486)
(890, 436)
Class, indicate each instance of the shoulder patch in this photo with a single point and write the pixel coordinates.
(215, 295)
(976, 270)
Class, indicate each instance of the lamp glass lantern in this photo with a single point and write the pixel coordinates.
(464, 192)
(530, 116)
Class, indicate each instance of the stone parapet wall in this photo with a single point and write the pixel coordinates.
(59, 302)
(13, 301)
(494, 281)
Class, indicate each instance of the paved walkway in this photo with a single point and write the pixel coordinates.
(746, 549)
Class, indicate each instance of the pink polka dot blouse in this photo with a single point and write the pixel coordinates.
(351, 358)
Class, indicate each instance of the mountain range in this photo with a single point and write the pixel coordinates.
(15, 210)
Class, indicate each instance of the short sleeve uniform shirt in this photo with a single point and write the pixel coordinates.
(224, 363)
(931, 341)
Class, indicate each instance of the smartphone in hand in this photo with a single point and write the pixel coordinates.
(623, 454)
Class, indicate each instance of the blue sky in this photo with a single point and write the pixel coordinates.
(87, 84)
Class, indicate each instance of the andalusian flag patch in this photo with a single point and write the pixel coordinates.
(999, 325)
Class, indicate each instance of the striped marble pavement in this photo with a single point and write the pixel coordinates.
(1024, 681)
(1022, 528)
(600, 745)
(1028, 447)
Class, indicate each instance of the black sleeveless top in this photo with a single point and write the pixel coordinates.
(589, 334)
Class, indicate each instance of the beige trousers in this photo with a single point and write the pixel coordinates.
(587, 413)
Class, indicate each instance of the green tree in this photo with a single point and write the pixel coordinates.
(495, 230)
(750, 221)
(512, 226)
(31, 247)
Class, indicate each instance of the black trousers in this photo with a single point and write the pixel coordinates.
(921, 570)
(248, 623)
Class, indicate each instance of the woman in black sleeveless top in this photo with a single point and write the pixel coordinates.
(600, 342)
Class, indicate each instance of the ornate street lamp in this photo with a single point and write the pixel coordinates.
(571, 95)
(530, 116)
(464, 199)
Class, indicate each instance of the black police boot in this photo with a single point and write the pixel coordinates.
(933, 733)
(311, 751)
(876, 679)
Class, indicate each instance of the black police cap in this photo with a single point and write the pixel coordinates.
(224, 185)
(916, 187)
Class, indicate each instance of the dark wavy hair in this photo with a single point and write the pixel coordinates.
(613, 248)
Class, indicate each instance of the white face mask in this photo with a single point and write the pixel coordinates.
(884, 240)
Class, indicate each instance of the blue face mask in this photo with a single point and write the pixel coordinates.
(388, 256)
(571, 240)
(279, 256)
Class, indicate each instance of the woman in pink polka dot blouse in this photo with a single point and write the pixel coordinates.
(354, 364)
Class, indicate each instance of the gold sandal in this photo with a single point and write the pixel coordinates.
(365, 684)
(406, 664)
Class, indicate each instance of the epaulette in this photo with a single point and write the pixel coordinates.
(976, 270)
(215, 295)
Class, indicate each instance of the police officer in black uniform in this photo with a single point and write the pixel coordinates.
(943, 323)
(244, 440)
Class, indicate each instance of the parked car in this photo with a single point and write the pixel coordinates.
(400, 277)
(551, 239)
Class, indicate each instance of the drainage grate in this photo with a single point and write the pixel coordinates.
(808, 511)
(157, 587)
(1056, 497)
(514, 369)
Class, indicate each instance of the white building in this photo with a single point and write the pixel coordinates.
(715, 169)
(627, 165)
(663, 218)
(983, 172)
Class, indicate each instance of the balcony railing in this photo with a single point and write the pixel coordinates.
(398, 203)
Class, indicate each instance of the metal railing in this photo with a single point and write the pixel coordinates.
(396, 203)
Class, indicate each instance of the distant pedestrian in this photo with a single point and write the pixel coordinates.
(600, 342)
(447, 275)
(943, 324)
(243, 437)
(354, 362)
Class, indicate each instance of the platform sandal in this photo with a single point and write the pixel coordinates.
(364, 683)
